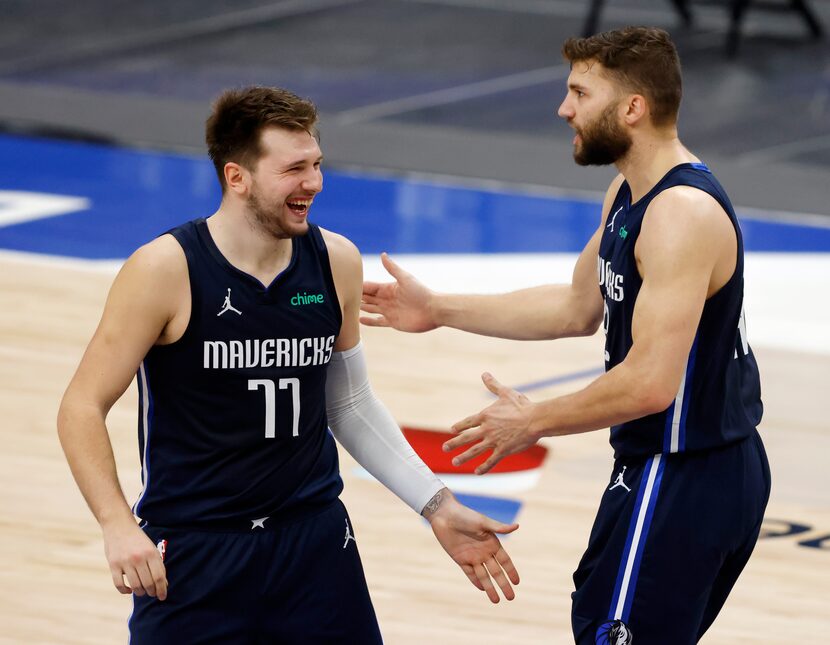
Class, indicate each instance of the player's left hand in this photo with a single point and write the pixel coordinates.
(503, 427)
(470, 539)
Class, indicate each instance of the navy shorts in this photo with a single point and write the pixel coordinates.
(300, 581)
(672, 535)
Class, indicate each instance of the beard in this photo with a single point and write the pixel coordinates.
(269, 218)
(604, 141)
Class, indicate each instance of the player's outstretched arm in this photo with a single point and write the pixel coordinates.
(136, 312)
(538, 313)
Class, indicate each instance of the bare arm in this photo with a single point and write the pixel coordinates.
(685, 253)
(537, 313)
(138, 310)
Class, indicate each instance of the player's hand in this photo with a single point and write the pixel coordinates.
(132, 556)
(470, 539)
(503, 427)
(403, 304)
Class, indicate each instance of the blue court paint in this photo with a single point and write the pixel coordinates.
(499, 508)
(137, 195)
(559, 380)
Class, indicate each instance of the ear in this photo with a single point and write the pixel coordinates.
(237, 178)
(635, 108)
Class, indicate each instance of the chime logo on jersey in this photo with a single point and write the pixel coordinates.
(307, 299)
(162, 547)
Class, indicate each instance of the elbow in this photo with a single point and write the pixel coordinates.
(656, 396)
(586, 325)
(64, 414)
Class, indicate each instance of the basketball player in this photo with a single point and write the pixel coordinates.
(243, 330)
(663, 274)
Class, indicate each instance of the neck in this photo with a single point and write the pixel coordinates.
(650, 158)
(246, 245)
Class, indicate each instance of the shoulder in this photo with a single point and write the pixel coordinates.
(684, 219)
(162, 258)
(156, 271)
(686, 209)
(343, 254)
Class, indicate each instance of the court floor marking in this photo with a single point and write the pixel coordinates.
(455, 94)
(170, 34)
(783, 151)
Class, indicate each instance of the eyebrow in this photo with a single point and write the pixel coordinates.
(300, 162)
(576, 86)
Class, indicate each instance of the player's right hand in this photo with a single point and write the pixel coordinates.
(135, 563)
(403, 304)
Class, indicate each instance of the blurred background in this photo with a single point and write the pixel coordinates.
(442, 145)
(465, 88)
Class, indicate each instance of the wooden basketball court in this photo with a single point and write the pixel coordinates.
(55, 586)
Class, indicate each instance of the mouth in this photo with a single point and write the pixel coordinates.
(299, 206)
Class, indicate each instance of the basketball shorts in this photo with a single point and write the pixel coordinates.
(672, 535)
(291, 583)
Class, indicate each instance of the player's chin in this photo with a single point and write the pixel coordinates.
(296, 226)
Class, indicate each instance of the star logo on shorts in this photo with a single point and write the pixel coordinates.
(260, 523)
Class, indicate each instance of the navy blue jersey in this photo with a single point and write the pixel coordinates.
(719, 399)
(232, 416)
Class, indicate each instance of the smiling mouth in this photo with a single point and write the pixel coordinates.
(299, 206)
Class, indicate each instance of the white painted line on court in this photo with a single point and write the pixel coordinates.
(17, 206)
(783, 151)
(452, 94)
(175, 32)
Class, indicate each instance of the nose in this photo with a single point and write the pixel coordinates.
(313, 182)
(565, 109)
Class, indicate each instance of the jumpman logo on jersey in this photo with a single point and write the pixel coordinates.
(260, 523)
(613, 217)
(227, 306)
(619, 481)
(349, 535)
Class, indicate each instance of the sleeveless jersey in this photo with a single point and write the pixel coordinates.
(719, 399)
(232, 416)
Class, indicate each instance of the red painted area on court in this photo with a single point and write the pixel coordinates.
(427, 443)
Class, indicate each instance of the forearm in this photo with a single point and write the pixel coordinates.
(538, 313)
(366, 429)
(621, 394)
(83, 436)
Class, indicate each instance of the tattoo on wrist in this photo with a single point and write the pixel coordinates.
(435, 503)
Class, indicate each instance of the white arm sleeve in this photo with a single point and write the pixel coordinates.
(366, 429)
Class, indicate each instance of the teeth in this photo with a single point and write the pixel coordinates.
(300, 202)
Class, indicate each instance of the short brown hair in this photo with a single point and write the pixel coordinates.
(239, 116)
(641, 59)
